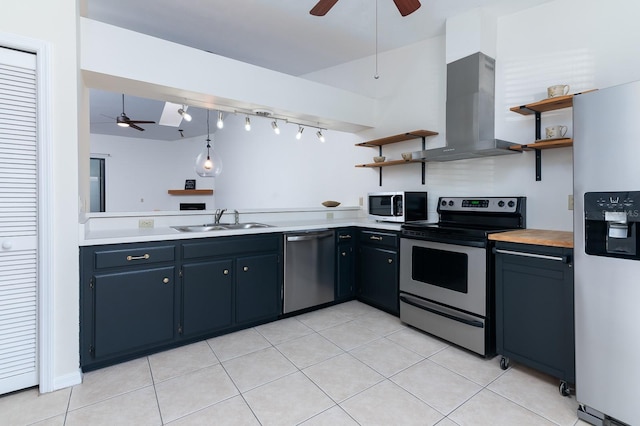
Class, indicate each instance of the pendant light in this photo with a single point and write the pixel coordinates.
(208, 162)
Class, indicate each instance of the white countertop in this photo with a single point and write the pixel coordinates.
(134, 235)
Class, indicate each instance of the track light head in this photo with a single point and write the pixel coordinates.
(320, 136)
(299, 134)
(185, 115)
(220, 123)
(247, 124)
(274, 126)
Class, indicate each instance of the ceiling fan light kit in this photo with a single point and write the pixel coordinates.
(123, 121)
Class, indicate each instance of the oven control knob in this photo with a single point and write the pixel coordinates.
(500, 203)
(451, 202)
(444, 203)
(511, 203)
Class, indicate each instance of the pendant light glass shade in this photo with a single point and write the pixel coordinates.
(208, 162)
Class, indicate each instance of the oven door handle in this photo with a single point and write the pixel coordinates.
(442, 314)
(563, 259)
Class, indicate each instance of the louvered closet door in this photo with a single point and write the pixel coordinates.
(18, 221)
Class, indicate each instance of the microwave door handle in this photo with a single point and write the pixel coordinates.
(394, 209)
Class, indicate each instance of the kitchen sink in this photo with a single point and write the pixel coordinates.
(248, 225)
(198, 228)
(220, 227)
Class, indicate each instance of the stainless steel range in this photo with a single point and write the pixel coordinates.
(446, 269)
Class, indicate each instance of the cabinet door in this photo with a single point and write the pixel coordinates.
(133, 310)
(534, 313)
(378, 277)
(345, 272)
(207, 292)
(258, 288)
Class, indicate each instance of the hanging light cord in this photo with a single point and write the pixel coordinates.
(376, 76)
(208, 139)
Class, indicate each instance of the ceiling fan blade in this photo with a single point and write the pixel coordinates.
(140, 121)
(133, 126)
(322, 7)
(407, 7)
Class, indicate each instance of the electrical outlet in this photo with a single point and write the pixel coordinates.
(570, 202)
(361, 201)
(145, 223)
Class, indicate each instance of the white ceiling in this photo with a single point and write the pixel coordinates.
(276, 34)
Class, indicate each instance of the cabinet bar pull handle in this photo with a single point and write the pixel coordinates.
(165, 280)
(225, 272)
(246, 268)
(143, 257)
(345, 237)
(375, 237)
(563, 259)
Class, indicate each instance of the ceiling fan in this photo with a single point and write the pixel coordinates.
(123, 121)
(405, 7)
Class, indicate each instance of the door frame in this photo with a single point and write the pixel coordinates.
(42, 50)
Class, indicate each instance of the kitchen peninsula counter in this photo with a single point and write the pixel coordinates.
(538, 237)
(128, 232)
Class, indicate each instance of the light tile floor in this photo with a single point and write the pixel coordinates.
(348, 364)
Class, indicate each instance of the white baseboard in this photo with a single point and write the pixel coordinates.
(71, 379)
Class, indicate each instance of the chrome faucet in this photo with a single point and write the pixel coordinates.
(218, 215)
(236, 216)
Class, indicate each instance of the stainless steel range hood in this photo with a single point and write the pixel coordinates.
(470, 112)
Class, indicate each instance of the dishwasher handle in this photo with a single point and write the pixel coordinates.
(308, 236)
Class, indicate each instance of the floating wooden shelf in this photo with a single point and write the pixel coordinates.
(190, 191)
(550, 104)
(388, 163)
(557, 143)
(398, 138)
(378, 143)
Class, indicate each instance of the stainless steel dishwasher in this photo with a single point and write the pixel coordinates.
(309, 269)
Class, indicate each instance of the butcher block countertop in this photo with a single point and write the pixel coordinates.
(539, 237)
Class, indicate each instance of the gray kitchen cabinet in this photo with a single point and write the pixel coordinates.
(207, 296)
(345, 264)
(141, 298)
(258, 288)
(128, 301)
(244, 271)
(535, 308)
(378, 269)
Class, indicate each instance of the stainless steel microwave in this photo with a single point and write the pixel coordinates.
(402, 206)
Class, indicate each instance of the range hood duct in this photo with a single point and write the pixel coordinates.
(470, 112)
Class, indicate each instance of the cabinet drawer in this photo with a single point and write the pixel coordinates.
(344, 236)
(133, 256)
(225, 246)
(382, 239)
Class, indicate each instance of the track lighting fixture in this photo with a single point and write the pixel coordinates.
(247, 124)
(299, 134)
(183, 112)
(220, 123)
(274, 126)
(208, 163)
(320, 136)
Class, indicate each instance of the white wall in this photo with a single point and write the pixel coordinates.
(592, 48)
(55, 23)
(140, 171)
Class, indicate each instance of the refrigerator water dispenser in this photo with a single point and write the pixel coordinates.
(611, 224)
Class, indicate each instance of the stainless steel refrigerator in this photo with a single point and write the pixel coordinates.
(606, 188)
